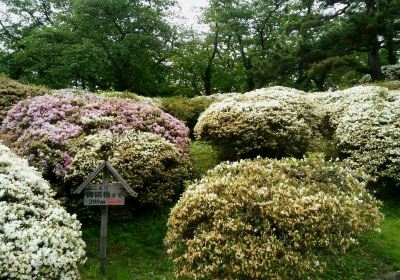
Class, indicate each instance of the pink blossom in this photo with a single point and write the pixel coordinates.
(53, 120)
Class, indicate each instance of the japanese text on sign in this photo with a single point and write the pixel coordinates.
(113, 195)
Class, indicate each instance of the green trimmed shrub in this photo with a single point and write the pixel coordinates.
(186, 109)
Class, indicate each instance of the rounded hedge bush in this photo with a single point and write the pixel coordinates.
(269, 122)
(368, 135)
(333, 105)
(268, 219)
(152, 166)
(362, 124)
(186, 109)
(38, 238)
(40, 128)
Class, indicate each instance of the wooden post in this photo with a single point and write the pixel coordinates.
(103, 226)
(104, 195)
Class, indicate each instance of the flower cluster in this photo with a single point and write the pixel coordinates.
(333, 105)
(368, 134)
(363, 123)
(268, 219)
(11, 92)
(151, 165)
(38, 238)
(39, 128)
(273, 122)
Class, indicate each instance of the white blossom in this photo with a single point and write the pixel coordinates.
(38, 238)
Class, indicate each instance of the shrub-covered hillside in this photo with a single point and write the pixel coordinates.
(298, 196)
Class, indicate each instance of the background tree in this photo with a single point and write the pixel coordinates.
(94, 44)
(132, 44)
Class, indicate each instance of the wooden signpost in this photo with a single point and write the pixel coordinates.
(104, 194)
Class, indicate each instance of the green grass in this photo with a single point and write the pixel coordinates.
(136, 250)
(204, 156)
(376, 254)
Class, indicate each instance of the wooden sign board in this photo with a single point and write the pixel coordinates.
(108, 195)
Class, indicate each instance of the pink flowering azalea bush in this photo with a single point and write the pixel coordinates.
(40, 128)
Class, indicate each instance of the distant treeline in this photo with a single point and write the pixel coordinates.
(134, 45)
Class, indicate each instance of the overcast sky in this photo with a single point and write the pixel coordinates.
(191, 11)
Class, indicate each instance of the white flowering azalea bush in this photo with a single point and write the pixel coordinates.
(389, 72)
(217, 97)
(368, 134)
(363, 126)
(268, 219)
(155, 168)
(38, 238)
(333, 105)
(268, 122)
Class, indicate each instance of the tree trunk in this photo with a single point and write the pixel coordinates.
(248, 66)
(391, 51)
(207, 74)
(122, 80)
(250, 82)
(375, 64)
(319, 83)
(374, 61)
(207, 80)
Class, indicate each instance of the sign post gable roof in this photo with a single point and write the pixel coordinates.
(113, 171)
(90, 178)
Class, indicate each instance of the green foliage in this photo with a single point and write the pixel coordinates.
(92, 44)
(11, 92)
(376, 254)
(388, 85)
(186, 109)
(130, 95)
(132, 45)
